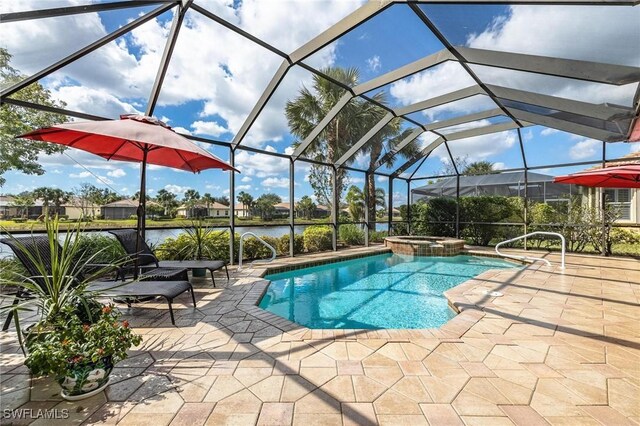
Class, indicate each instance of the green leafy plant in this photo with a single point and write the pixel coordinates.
(317, 238)
(283, 244)
(213, 244)
(351, 234)
(60, 344)
(63, 272)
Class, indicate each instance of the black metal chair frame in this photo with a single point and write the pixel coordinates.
(40, 244)
(146, 257)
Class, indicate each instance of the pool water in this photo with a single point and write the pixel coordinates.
(382, 291)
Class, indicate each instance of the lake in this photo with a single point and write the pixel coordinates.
(157, 236)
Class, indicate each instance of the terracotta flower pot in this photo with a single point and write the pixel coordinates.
(86, 379)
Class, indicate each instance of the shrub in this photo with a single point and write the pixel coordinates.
(318, 238)
(624, 236)
(215, 246)
(134, 217)
(254, 249)
(103, 248)
(475, 212)
(351, 234)
(425, 216)
(283, 244)
(377, 236)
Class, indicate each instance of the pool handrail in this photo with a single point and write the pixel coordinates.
(533, 259)
(267, 245)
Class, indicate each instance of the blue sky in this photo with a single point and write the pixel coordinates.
(216, 76)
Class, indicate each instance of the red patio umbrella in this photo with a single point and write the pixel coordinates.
(627, 176)
(134, 138)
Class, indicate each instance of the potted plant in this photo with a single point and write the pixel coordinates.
(76, 338)
(78, 353)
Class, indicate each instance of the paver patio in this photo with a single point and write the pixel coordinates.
(559, 347)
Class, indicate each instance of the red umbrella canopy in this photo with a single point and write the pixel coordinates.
(610, 177)
(127, 139)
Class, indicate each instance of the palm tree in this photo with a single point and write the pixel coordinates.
(191, 197)
(207, 199)
(306, 207)
(355, 202)
(247, 201)
(356, 118)
(23, 202)
(479, 168)
(166, 199)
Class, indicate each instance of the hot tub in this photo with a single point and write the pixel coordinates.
(424, 246)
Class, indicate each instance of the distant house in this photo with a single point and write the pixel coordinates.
(282, 209)
(122, 209)
(73, 209)
(201, 210)
(242, 210)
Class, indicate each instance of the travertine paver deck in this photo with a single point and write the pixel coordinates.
(560, 347)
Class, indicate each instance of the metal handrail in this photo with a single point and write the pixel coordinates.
(267, 245)
(553, 234)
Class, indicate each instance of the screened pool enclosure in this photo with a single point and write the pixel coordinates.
(536, 88)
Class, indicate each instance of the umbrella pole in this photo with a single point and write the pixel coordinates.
(142, 201)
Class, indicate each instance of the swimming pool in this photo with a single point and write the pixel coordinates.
(382, 291)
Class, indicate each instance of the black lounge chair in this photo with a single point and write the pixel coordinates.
(127, 238)
(40, 245)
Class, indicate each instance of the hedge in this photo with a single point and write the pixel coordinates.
(351, 234)
(318, 238)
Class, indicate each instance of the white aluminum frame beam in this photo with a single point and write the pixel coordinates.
(346, 24)
(397, 74)
(364, 139)
(389, 155)
(405, 71)
(441, 100)
(342, 102)
(603, 112)
(567, 126)
(86, 50)
(425, 152)
(596, 72)
(434, 126)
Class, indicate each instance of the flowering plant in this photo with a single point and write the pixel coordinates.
(64, 343)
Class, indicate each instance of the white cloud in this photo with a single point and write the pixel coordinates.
(585, 149)
(548, 131)
(499, 165)
(177, 189)
(210, 128)
(117, 173)
(374, 63)
(582, 33)
(80, 175)
(634, 147)
(230, 76)
(261, 166)
(246, 179)
(479, 148)
(243, 187)
(273, 182)
(382, 178)
(99, 179)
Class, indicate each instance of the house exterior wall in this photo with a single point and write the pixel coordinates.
(118, 212)
(595, 196)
